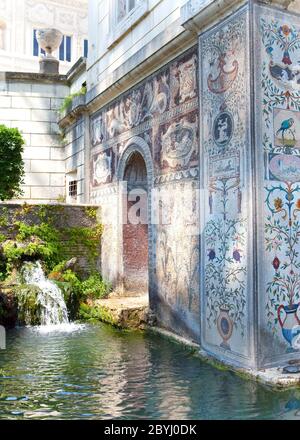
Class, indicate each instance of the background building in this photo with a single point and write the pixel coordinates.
(19, 19)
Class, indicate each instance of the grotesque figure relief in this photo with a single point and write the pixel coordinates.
(156, 96)
(174, 84)
(116, 119)
(97, 130)
(132, 109)
(101, 165)
(188, 79)
(179, 143)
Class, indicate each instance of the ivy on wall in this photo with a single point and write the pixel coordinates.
(50, 234)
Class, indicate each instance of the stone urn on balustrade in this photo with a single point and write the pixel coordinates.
(49, 40)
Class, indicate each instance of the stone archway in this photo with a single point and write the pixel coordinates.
(135, 170)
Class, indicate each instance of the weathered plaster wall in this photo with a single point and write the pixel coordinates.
(277, 55)
(226, 263)
(30, 102)
(159, 119)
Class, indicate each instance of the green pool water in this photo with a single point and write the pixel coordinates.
(97, 372)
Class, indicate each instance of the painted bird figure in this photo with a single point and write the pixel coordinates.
(285, 126)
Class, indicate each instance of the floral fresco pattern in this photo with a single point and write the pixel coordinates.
(225, 135)
(280, 82)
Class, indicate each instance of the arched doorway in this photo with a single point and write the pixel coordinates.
(135, 226)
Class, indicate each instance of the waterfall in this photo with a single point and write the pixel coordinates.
(53, 307)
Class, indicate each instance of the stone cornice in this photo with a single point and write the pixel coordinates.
(196, 15)
(38, 77)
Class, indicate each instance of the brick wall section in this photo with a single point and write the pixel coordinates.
(65, 217)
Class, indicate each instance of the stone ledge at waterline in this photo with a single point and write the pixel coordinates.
(126, 312)
(272, 377)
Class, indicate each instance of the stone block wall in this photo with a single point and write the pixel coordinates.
(30, 102)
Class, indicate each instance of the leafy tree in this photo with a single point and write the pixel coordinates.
(11, 163)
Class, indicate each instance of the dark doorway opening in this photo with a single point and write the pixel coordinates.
(135, 227)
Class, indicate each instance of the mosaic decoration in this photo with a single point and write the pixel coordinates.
(223, 129)
(280, 82)
(282, 242)
(165, 107)
(179, 143)
(225, 138)
(161, 112)
(102, 167)
(177, 247)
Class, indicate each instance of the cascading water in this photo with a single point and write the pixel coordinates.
(53, 307)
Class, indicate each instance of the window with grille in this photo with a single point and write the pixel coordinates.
(73, 188)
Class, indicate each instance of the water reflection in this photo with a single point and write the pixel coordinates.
(99, 372)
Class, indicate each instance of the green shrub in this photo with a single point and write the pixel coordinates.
(94, 287)
(12, 165)
(75, 290)
(39, 241)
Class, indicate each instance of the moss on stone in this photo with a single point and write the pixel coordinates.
(96, 313)
(29, 308)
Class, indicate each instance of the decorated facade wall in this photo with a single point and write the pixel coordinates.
(159, 119)
(278, 143)
(226, 266)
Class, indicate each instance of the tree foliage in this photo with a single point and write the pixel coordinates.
(12, 166)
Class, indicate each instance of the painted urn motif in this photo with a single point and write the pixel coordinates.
(49, 40)
(225, 326)
(290, 324)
